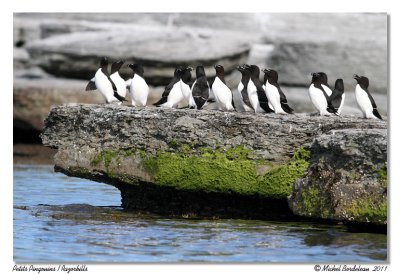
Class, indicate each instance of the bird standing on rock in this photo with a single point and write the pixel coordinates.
(103, 83)
(185, 87)
(364, 99)
(319, 97)
(338, 95)
(139, 90)
(200, 88)
(172, 94)
(223, 94)
(242, 88)
(257, 95)
(274, 92)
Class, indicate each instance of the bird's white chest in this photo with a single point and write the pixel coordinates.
(185, 90)
(318, 99)
(363, 100)
(221, 91)
(253, 97)
(139, 91)
(328, 91)
(273, 95)
(119, 83)
(103, 85)
(175, 95)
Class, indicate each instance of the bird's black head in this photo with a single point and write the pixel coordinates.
(316, 78)
(187, 74)
(270, 75)
(362, 81)
(324, 78)
(116, 66)
(200, 71)
(339, 85)
(244, 69)
(103, 62)
(137, 69)
(219, 71)
(255, 71)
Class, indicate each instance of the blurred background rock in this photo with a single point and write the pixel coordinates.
(55, 54)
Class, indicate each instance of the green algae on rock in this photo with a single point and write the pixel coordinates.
(346, 180)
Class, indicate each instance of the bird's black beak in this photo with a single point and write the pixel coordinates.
(266, 70)
(355, 76)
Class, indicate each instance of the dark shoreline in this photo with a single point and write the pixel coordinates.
(33, 154)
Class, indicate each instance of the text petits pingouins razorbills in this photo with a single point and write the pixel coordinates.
(39, 269)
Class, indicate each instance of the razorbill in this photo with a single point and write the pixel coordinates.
(319, 97)
(257, 95)
(242, 88)
(172, 94)
(274, 92)
(120, 83)
(223, 94)
(185, 86)
(102, 82)
(200, 88)
(364, 99)
(139, 90)
(338, 95)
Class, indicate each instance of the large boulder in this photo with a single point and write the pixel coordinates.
(347, 178)
(207, 163)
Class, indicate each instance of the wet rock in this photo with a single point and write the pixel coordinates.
(347, 178)
(163, 160)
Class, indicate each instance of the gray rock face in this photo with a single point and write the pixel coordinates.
(346, 179)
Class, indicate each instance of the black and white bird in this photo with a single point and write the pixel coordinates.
(318, 96)
(139, 90)
(258, 98)
(200, 88)
(103, 83)
(120, 83)
(186, 77)
(172, 94)
(364, 99)
(242, 88)
(338, 95)
(274, 92)
(223, 94)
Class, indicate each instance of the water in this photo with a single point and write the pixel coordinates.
(62, 219)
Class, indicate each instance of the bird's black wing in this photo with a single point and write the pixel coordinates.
(105, 72)
(201, 92)
(284, 103)
(167, 90)
(262, 98)
(91, 86)
(245, 97)
(336, 98)
(375, 108)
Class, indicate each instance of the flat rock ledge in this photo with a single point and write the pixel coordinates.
(215, 164)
